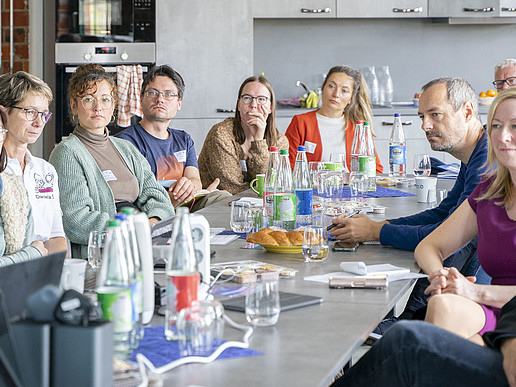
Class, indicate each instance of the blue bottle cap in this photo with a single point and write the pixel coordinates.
(396, 114)
(301, 148)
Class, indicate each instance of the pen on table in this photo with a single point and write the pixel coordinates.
(346, 217)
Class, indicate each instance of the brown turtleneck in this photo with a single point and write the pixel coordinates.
(122, 182)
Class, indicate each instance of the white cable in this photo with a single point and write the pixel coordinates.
(143, 361)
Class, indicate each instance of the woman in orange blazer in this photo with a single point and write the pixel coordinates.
(330, 129)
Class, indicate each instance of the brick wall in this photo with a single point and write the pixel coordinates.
(21, 35)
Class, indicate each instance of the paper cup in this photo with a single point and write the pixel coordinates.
(426, 189)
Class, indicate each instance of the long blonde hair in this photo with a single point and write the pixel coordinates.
(359, 108)
(502, 185)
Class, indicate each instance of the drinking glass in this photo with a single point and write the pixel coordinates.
(240, 219)
(358, 183)
(262, 301)
(422, 165)
(318, 184)
(257, 218)
(314, 167)
(315, 244)
(95, 248)
(333, 183)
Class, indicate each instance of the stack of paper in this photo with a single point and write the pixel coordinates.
(450, 171)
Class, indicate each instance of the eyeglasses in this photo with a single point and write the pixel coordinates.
(260, 100)
(32, 114)
(90, 102)
(3, 132)
(168, 95)
(511, 82)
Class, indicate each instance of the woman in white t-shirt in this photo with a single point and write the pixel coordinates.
(25, 99)
(330, 129)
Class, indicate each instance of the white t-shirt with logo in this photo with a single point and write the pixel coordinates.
(40, 181)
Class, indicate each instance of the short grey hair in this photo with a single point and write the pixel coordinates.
(459, 91)
(505, 63)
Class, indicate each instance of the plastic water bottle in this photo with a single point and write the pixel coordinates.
(359, 127)
(135, 275)
(270, 182)
(374, 87)
(397, 149)
(182, 274)
(284, 198)
(114, 289)
(303, 188)
(386, 87)
(367, 157)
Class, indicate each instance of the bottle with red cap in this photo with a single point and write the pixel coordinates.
(269, 188)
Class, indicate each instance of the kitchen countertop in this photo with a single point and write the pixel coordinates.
(289, 111)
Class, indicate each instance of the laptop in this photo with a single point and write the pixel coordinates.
(18, 281)
(288, 301)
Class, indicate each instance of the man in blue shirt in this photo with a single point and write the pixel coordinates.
(170, 152)
(448, 108)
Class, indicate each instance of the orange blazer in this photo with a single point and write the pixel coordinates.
(304, 127)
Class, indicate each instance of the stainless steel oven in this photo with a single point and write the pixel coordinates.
(110, 55)
(106, 21)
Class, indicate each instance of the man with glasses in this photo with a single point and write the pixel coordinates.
(505, 75)
(170, 152)
(25, 100)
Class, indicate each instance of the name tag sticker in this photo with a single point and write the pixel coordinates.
(109, 175)
(181, 156)
(310, 146)
(243, 165)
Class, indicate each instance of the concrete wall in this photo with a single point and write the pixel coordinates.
(417, 51)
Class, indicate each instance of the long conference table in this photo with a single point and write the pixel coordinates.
(310, 345)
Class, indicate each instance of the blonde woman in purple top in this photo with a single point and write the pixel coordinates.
(457, 303)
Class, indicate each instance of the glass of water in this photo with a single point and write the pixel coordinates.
(240, 220)
(422, 165)
(95, 248)
(358, 183)
(262, 301)
(315, 244)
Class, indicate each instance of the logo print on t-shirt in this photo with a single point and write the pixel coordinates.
(45, 185)
(168, 168)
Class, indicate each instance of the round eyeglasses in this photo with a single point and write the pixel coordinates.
(32, 114)
(90, 102)
(260, 100)
(511, 82)
(168, 95)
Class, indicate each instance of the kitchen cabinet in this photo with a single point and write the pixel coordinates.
(210, 43)
(294, 8)
(471, 8)
(382, 9)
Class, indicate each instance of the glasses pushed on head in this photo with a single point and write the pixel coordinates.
(260, 100)
(32, 114)
(167, 94)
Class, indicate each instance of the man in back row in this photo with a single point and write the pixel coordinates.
(170, 152)
(448, 108)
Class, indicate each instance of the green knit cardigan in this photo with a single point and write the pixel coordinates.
(86, 199)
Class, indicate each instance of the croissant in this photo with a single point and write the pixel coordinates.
(266, 236)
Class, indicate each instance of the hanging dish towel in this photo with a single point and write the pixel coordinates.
(129, 80)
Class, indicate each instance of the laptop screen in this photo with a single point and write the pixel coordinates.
(20, 280)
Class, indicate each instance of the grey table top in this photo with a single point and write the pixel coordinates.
(307, 346)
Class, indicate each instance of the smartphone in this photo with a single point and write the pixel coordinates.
(345, 246)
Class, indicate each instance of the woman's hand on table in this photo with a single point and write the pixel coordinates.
(359, 228)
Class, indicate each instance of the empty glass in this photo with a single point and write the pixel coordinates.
(95, 248)
(358, 184)
(315, 244)
(314, 167)
(262, 302)
(333, 183)
(422, 165)
(240, 221)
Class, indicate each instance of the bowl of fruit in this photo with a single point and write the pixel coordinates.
(485, 98)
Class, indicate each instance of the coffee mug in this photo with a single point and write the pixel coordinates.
(260, 180)
(73, 274)
(426, 189)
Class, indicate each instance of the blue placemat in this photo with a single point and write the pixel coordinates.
(241, 235)
(160, 351)
(381, 192)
